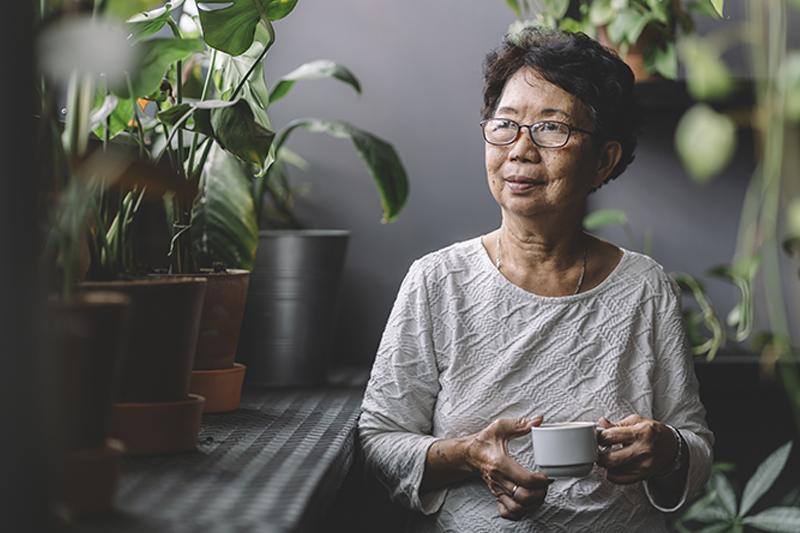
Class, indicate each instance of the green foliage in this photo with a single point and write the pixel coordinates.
(705, 141)
(311, 71)
(231, 124)
(224, 226)
(623, 22)
(232, 28)
(379, 156)
(719, 509)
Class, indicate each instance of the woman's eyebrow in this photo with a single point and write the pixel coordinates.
(555, 111)
(550, 111)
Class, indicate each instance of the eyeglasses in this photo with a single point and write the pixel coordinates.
(545, 134)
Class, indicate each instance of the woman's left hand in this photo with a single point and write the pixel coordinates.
(640, 447)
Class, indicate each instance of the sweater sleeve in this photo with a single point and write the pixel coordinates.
(676, 397)
(396, 416)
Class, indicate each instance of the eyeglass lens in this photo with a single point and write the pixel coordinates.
(547, 133)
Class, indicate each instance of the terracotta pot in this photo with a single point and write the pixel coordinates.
(89, 478)
(221, 319)
(158, 427)
(215, 377)
(221, 388)
(635, 55)
(164, 326)
(90, 335)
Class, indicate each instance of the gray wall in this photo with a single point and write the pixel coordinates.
(419, 63)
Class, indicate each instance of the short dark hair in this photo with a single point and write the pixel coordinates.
(581, 66)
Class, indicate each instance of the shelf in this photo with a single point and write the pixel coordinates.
(274, 464)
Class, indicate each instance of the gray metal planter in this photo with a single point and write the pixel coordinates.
(289, 317)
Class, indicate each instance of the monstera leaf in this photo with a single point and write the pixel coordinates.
(146, 23)
(231, 29)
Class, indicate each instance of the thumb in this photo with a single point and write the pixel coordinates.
(604, 423)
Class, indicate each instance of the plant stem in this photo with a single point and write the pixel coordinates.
(195, 173)
(263, 54)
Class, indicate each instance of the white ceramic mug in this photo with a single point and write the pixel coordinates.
(565, 450)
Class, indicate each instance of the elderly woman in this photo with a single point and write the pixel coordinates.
(539, 321)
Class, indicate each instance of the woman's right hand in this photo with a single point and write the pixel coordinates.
(518, 491)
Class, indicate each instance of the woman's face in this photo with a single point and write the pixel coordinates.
(527, 180)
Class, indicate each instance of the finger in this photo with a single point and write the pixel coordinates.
(511, 509)
(631, 420)
(505, 429)
(619, 435)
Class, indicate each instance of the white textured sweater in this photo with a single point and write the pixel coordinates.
(464, 346)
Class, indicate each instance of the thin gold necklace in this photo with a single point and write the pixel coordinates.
(583, 265)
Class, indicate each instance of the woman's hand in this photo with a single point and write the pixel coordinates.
(640, 448)
(518, 491)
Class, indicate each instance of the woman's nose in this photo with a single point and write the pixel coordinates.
(523, 148)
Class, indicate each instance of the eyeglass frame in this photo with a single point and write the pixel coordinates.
(570, 129)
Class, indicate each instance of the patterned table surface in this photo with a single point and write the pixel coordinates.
(273, 465)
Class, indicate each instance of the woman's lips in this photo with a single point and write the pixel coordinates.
(516, 184)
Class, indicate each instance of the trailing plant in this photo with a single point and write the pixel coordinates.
(706, 141)
(622, 23)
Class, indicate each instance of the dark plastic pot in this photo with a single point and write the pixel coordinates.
(290, 313)
(164, 325)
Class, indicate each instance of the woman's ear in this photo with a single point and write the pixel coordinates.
(610, 155)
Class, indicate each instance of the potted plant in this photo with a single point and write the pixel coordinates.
(113, 179)
(234, 190)
(230, 157)
(644, 32)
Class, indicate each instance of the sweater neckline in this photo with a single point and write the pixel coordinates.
(487, 264)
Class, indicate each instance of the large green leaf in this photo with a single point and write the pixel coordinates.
(232, 69)
(146, 23)
(313, 70)
(155, 57)
(231, 29)
(705, 141)
(726, 494)
(626, 27)
(224, 227)
(119, 116)
(764, 476)
(379, 156)
(662, 60)
(231, 124)
(122, 9)
(776, 520)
